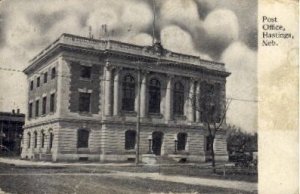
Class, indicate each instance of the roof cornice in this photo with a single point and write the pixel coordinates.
(153, 53)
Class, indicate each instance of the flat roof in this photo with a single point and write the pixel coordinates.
(126, 48)
(9, 116)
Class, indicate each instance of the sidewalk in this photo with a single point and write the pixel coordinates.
(28, 163)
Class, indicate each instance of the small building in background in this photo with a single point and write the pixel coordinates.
(11, 129)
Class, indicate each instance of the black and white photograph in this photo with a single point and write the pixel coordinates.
(132, 96)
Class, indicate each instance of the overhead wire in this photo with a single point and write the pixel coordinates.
(186, 91)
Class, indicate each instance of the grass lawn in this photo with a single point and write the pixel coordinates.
(86, 184)
(231, 174)
(87, 179)
(193, 170)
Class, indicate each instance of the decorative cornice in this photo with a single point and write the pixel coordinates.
(114, 122)
(110, 47)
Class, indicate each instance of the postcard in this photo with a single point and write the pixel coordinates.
(149, 96)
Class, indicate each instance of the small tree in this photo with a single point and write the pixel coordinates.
(240, 141)
(212, 110)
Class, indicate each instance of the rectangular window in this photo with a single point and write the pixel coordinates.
(83, 139)
(85, 72)
(44, 105)
(52, 102)
(84, 102)
(53, 73)
(31, 85)
(45, 77)
(37, 103)
(30, 110)
(208, 143)
(130, 137)
(38, 82)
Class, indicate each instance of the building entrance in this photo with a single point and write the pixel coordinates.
(157, 140)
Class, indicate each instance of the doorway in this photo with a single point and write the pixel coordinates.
(157, 140)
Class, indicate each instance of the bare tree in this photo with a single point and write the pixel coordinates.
(212, 108)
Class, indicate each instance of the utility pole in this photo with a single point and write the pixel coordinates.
(1, 136)
(154, 20)
(137, 152)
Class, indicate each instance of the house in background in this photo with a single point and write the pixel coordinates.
(86, 96)
(11, 129)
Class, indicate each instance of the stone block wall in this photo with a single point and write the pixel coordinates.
(113, 142)
(33, 152)
(107, 142)
(44, 90)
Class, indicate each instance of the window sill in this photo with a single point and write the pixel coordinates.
(156, 115)
(83, 150)
(85, 79)
(89, 114)
(129, 113)
(180, 117)
(182, 152)
(130, 151)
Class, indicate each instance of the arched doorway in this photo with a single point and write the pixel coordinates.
(157, 140)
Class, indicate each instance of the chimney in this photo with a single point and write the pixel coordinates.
(18, 111)
(13, 111)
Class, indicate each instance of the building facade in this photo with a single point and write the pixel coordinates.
(11, 129)
(86, 96)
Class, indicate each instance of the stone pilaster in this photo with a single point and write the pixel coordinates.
(222, 99)
(169, 99)
(191, 115)
(143, 95)
(116, 108)
(198, 96)
(108, 92)
(39, 139)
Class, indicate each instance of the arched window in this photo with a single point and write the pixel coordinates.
(130, 139)
(29, 139)
(217, 99)
(128, 93)
(181, 141)
(51, 137)
(42, 139)
(83, 138)
(178, 98)
(209, 104)
(35, 139)
(154, 96)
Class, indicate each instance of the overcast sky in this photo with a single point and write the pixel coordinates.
(219, 30)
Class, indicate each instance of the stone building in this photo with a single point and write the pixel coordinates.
(84, 102)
